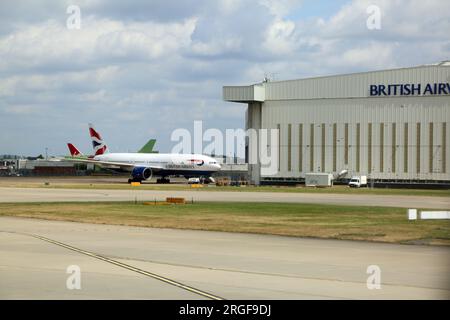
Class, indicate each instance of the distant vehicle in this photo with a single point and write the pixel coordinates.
(142, 166)
(319, 179)
(358, 182)
(13, 174)
(194, 180)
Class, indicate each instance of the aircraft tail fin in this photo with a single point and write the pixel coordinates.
(74, 152)
(148, 148)
(97, 141)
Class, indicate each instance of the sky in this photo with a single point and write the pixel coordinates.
(141, 69)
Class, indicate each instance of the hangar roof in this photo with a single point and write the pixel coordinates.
(354, 85)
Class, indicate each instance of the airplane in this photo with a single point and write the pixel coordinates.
(142, 166)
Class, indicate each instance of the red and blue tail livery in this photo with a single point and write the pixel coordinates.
(74, 152)
(97, 142)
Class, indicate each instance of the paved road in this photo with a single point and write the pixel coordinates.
(48, 195)
(232, 266)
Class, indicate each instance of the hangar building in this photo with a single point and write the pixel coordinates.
(391, 125)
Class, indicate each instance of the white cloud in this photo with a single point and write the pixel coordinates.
(280, 8)
(146, 40)
(364, 56)
(279, 39)
(217, 47)
(24, 110)
(142, 66)
(50, 43)
(229, 6)
(401, 19)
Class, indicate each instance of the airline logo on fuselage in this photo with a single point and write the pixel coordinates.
(180, 166)
(197, 162)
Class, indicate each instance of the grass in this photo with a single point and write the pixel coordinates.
(335, 189)
(300, 220)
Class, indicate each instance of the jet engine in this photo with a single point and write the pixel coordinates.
(141, 173)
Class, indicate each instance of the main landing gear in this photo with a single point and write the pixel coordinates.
(163, 180)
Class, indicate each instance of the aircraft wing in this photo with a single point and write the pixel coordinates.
(109, 164)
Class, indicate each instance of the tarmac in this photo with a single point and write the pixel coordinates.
(119, 262)
(10, 194)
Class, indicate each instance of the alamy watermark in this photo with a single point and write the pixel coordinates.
(73, 282)
(373, 22)
(258, 146)
(73, 22)
(374, 279)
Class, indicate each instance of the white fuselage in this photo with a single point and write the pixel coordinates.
(166, 163)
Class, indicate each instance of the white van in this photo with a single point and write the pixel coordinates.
(358, 182)
(194, 181)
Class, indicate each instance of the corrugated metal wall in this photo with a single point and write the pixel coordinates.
(407, 138)
(244, 93)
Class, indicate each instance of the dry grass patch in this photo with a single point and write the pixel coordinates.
(301, 220)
